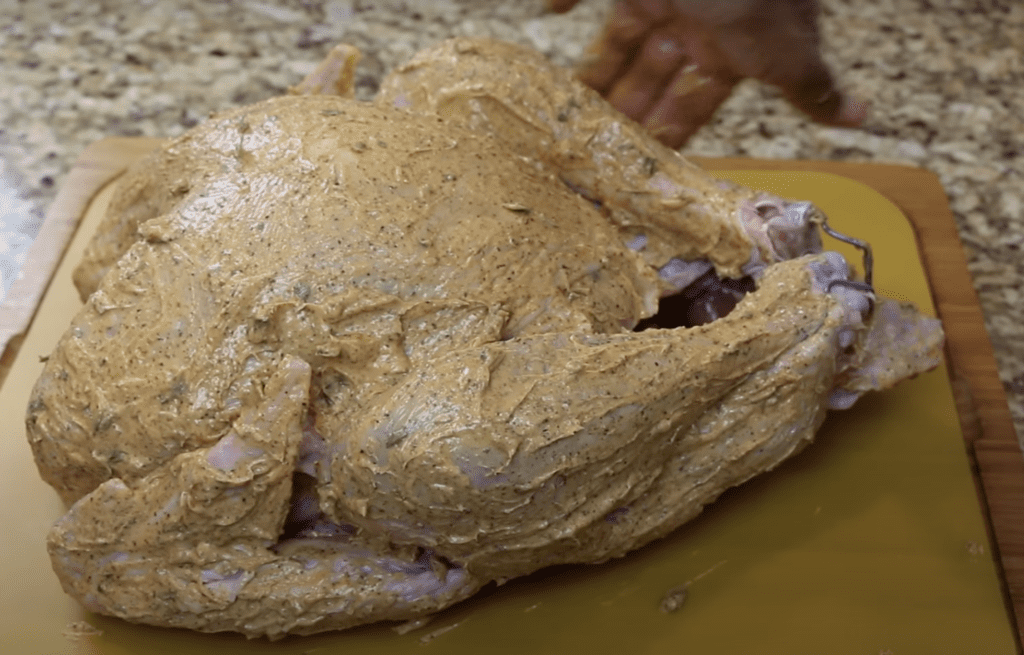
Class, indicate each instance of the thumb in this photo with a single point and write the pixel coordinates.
(813, 90)
(780, 45)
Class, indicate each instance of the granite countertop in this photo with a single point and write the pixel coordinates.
(946, 80)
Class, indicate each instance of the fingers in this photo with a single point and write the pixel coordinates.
(658, 60)
(666, 89)
(808, 84)
(644, 64)
(780, 45)
(824, 103)
(688, 102)
(670, 68)
(610, 56)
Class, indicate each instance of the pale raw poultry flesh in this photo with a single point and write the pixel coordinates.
(342, 362)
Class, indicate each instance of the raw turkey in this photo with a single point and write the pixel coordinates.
(342, 362)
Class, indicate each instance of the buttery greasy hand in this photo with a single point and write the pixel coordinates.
(669, 64)
(342, 362)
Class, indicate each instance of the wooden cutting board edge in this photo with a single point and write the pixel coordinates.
(990, 439)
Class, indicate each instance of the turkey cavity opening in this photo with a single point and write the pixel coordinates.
(706, 299)
(305, 519)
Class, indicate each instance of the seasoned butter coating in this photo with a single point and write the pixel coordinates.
(343, 362)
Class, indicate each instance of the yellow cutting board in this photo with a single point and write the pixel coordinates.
(870, 541)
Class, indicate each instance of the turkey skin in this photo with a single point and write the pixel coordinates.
(342, 362)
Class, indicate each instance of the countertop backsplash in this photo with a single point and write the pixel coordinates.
(945, 79)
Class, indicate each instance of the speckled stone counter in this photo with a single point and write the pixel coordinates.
(946, 80)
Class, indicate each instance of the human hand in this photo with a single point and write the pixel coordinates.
(669, 64)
